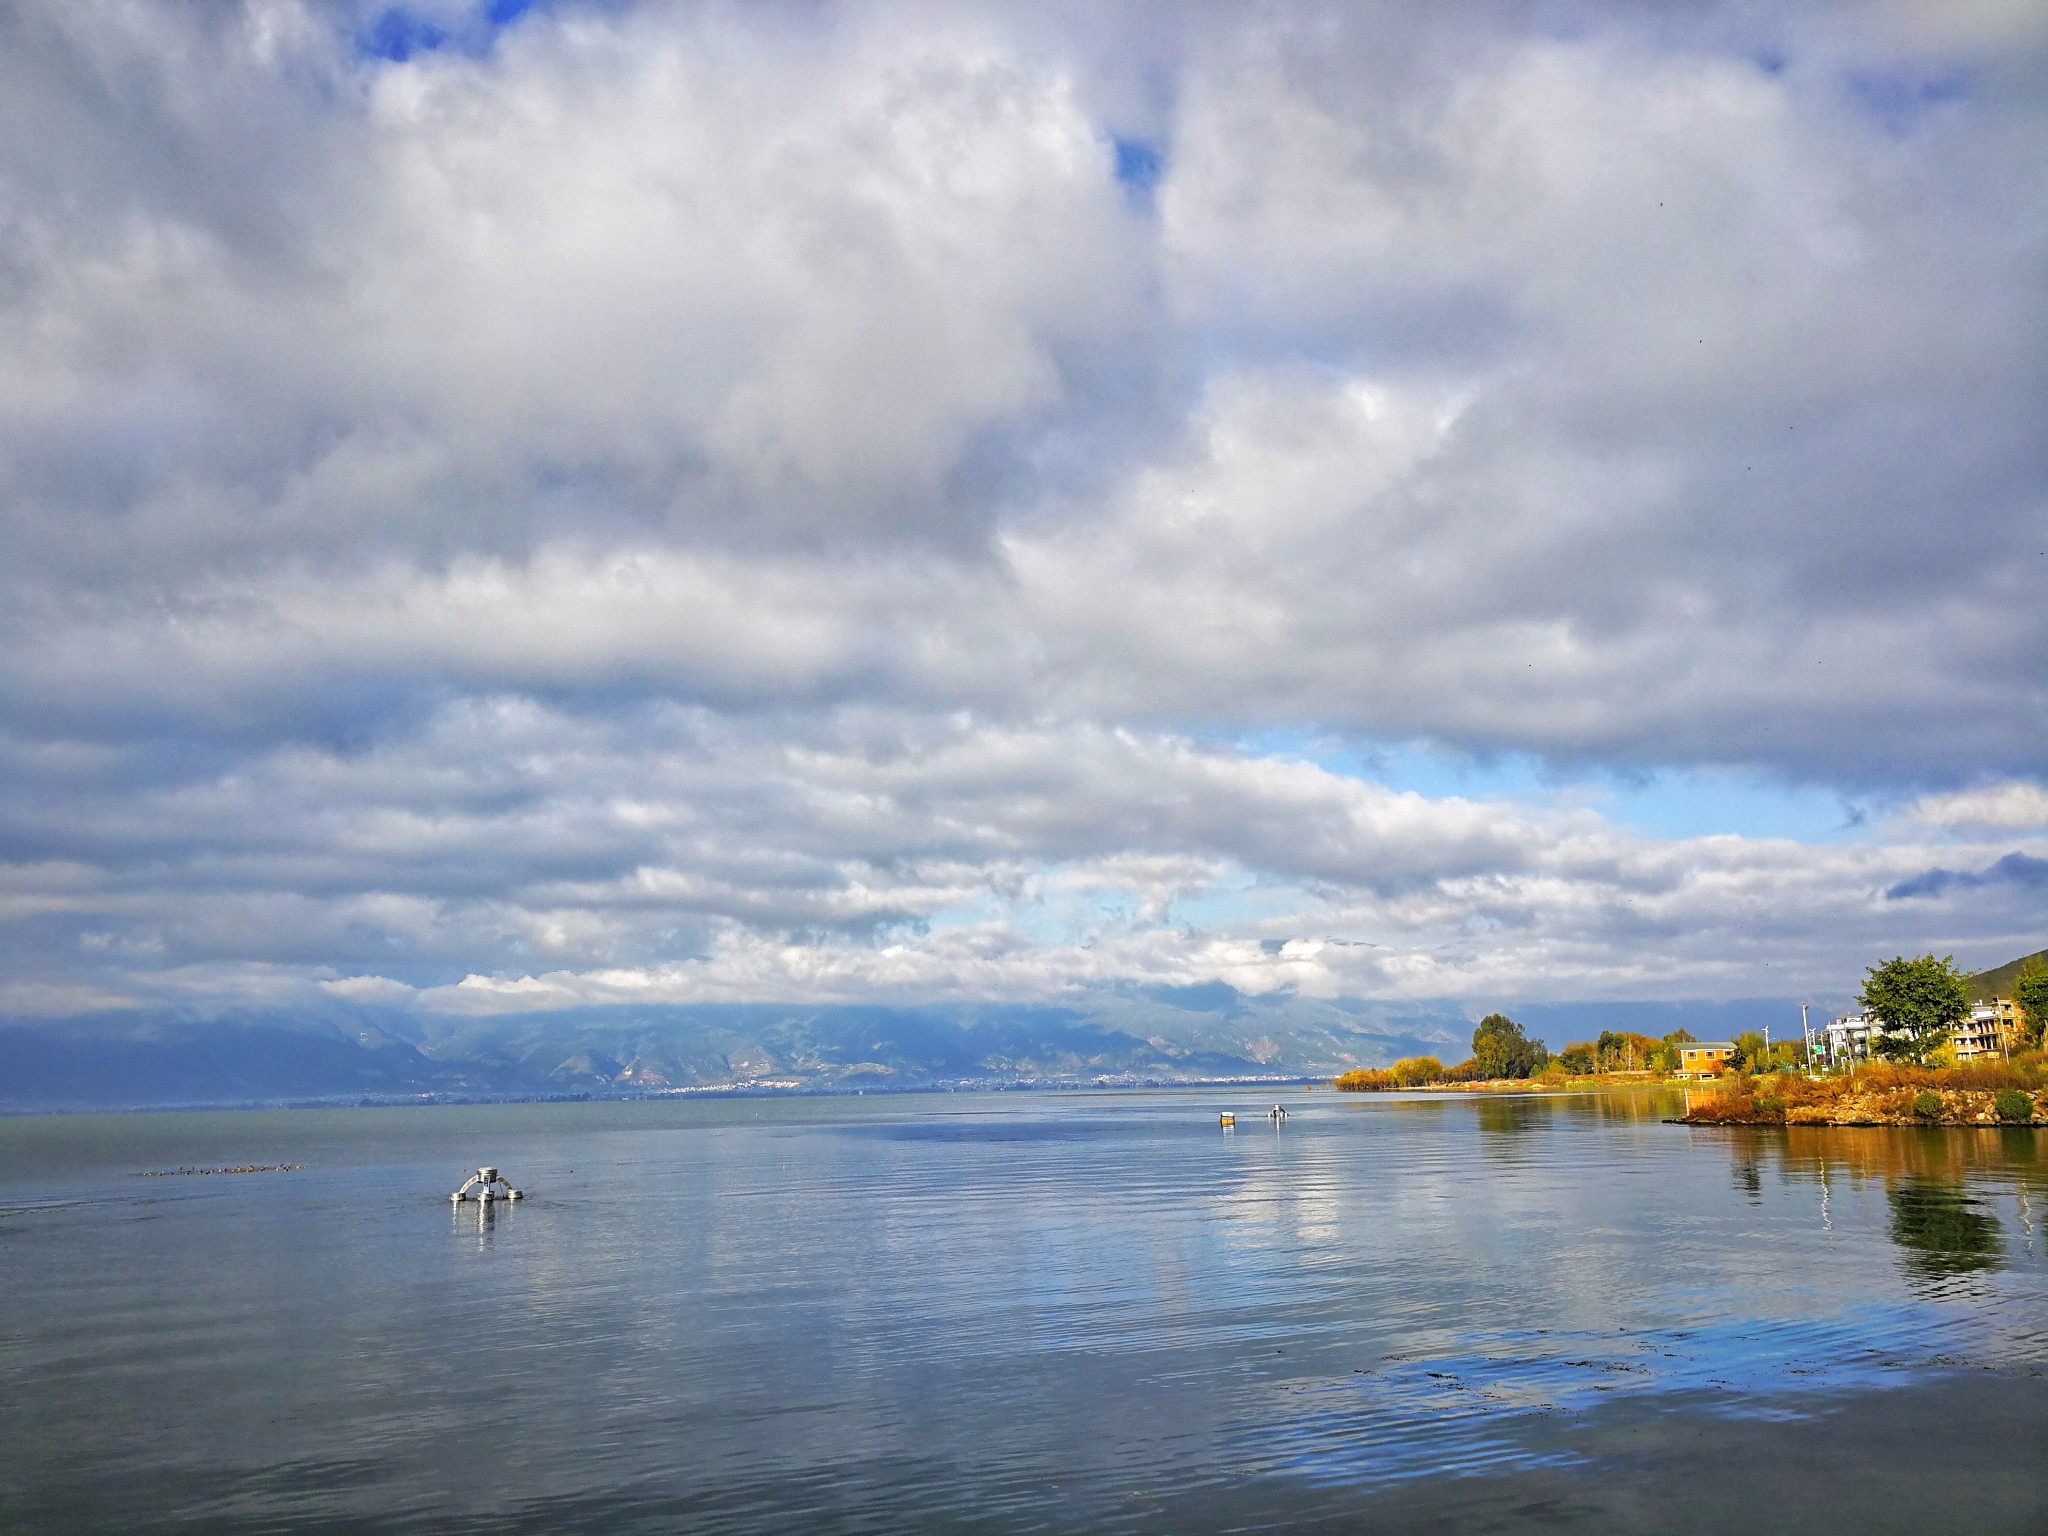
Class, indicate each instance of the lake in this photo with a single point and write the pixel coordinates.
(1021, 1312)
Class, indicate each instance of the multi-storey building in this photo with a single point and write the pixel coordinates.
(1849, 1037)
(1990, 1030)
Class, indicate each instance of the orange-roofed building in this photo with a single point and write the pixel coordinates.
(1704, 1058)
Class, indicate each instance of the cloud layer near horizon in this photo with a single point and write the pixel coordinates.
(753, 502)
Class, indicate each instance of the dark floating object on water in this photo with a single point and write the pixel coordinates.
(174, 1173)
(1277, 1113)
(491, 1182)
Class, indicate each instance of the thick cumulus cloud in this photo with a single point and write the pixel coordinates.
(605, 502)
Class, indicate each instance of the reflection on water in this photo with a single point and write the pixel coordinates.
(479, 1218)
(1509, 1115)
(1943, 1230)
(1949, 1154)
(1939, 1185)
(1045, 1311)
(1749, 1178)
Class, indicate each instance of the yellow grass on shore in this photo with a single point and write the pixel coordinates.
(2005, 1093)
(1391, 1080)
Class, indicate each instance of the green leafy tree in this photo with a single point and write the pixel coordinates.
(1579, 1058)
(1756, 1052)
(2031, 993)
(1500, 1049)
(1664, 1057)
(1918, 1001)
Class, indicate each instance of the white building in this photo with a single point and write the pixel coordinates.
(1849, 1036)
(1988, 1031)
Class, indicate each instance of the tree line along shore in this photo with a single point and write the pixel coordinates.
(1908, 1073)
(1505, 1058)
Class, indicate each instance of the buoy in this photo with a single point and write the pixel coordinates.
(1226, 1121)
(489, 1185)
(1277, 1113)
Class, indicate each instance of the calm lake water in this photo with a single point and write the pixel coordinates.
(1022, 1312)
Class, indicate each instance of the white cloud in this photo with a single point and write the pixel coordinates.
(684, 500)
(368, 989)
(511, 857)
(2015, 803)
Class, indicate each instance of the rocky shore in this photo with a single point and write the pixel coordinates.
(2003, 1095)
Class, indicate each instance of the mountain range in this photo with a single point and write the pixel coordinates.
(351, 1053)
(348, 1053)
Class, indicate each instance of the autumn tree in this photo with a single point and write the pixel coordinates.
(1623, 1050)
(1416, 1071)
(1580, 1057)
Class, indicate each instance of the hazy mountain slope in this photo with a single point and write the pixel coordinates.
(1146, 1035)
(126, 1062)
(1998, 981)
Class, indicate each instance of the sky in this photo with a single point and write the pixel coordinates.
(508, 506)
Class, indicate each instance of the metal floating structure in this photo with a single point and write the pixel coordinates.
(489, 1185)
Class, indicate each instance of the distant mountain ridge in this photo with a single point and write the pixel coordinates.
(342, 1052)
(350, 1053)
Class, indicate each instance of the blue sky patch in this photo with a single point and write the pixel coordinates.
(1138, 167)
(1900, 100)
(1670, 802)
(399, 36)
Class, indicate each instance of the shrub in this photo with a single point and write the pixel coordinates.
(1408, 1072)
(2013, 1105)
(1413, 1071)
(1771, 1104)
(1366, 1080)
(1927, 1105)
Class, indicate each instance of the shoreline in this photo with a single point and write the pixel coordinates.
(2004, 1096)
(1583, 1084)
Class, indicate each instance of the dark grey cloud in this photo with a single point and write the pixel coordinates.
(2015, 869)
(766, 498)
